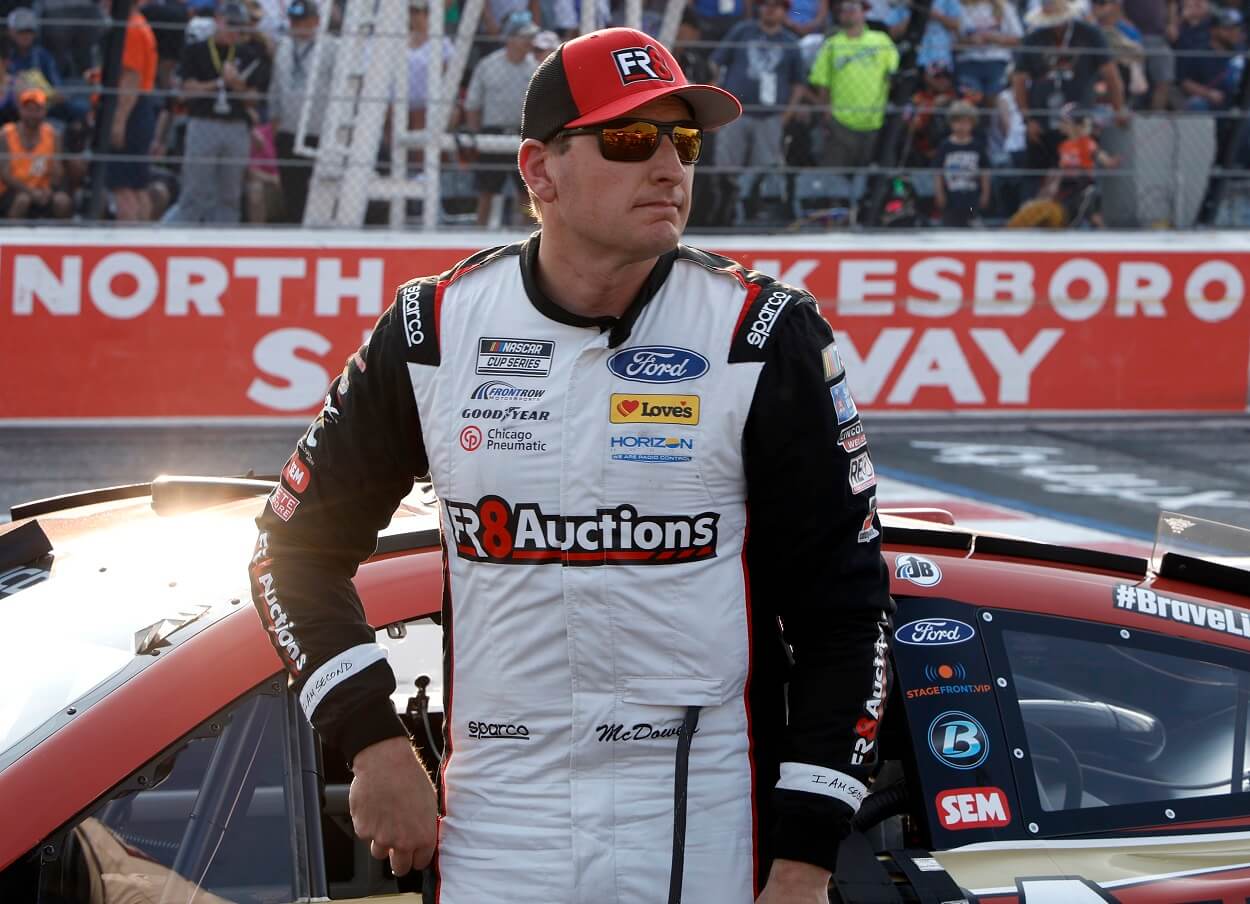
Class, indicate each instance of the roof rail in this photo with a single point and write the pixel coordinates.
(170, 494)
(73, 500)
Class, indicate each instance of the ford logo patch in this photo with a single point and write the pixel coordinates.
(657, 364)
(934, 632)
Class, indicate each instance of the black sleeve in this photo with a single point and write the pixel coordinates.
(187, 64)
(1028, 58)
(338, 489)
(815, 562)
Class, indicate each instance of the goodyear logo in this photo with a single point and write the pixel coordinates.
(654, 409)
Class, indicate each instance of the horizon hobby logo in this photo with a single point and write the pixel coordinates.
(641, 64)
(492, 530)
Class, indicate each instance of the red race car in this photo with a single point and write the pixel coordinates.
(1063, 725)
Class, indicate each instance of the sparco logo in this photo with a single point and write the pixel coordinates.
(409, 300)
(762, 328)
(499, 391)
(658, 364)
(492, 530)
(513, 731)
(641, 731)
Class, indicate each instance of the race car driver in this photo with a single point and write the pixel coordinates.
(666, 615)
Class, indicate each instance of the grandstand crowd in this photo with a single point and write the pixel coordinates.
(979, 112)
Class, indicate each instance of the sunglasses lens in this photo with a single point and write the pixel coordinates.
(632, 143)
(688, 142)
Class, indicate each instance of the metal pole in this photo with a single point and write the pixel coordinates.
(114, 43)
(435, 119)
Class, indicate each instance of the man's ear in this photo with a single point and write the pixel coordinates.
(534, 159)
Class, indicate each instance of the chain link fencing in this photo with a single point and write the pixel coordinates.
(405, 113)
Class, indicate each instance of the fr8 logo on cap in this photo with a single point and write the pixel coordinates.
(641, 64)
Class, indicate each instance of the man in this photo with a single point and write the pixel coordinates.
(30, 168)
(600, 573)
(1211, 82)
(852, 74)
(1058, 63)
(134, 122)
(291, 82)
(1151, 19)
(29, 63)
(760, 64)
(1124, 42)
(220, 77)
(493, 105)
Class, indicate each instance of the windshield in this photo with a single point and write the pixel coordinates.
(1199, 538)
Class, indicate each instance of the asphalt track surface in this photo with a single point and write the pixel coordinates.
(1110, 473)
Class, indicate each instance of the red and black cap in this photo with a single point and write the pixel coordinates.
(604, 75)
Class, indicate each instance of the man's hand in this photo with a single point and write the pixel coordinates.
(117, 134)
(393, 805)
(791, 882)
(1034, 131)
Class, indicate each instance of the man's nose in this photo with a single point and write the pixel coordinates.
(666, 164)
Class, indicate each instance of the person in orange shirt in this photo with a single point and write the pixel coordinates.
(134, 122)
(1073, 185)
(30, 168)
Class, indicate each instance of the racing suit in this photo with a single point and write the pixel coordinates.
(634, 511)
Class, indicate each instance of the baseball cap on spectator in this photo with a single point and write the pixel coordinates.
(604, 75)
(33, 96)
(23, 19)
(236, 14)
(519, 24)
(301, 9)
(961, 109)
(546, 40)
(1229, 17)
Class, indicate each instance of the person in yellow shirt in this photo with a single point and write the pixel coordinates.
(851, 73)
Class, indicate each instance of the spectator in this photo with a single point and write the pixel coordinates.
(1151, 19)
(493, 106)
(807, 17)
(1059, 62)
(963, 187)
(759, 63)
(134, 123)
(1192, 30)
(716, 17)
(852, 74)
(292, 80)
(566, 16)
(30, 63)
(545, 44)
(989, 29)
(1008, 148)
(169, 27)
(32, 173)
(1073, 185)
(1210, 83)
(925, 115)
(495, 14)
(71, 30)
(203, 21)
(1124, 42)
(220, 77)
(693, 57)
(938, 43)
(419, 50)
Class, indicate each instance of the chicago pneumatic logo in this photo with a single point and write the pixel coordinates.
(934, 632)
(513, 731)
(470, 438)
(762, 328)
(641, 64)
(958, 740)
(493, 530)
(658, 364)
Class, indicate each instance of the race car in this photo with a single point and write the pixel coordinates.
(1062, 725)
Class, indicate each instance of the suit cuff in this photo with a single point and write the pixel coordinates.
(809, 827)
(371, 722)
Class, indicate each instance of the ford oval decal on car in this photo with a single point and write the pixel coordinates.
(658, 364)
(934, 632)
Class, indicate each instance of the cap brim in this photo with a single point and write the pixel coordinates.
(713, 107)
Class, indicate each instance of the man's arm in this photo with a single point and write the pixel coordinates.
(814, 557)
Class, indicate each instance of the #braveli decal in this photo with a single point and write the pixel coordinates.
(682, 410)
(515, 357)
(494, 530)
(1220, 619)
(658, 364)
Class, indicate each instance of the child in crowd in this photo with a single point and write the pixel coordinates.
(962, 191)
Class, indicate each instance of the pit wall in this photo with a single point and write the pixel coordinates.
(248, 325)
